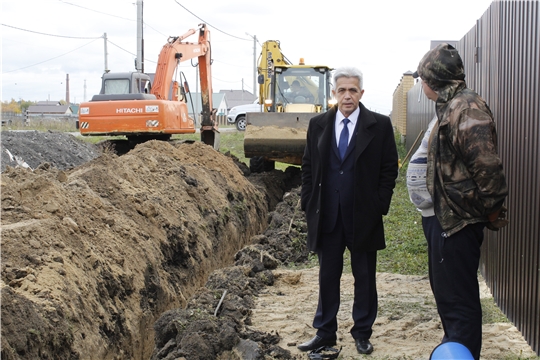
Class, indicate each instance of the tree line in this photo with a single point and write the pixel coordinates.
(19, 107)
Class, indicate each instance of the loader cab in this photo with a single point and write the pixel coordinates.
(300, 88)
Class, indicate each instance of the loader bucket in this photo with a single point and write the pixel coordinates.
(276, 136)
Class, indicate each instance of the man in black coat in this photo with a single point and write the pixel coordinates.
(349, 169)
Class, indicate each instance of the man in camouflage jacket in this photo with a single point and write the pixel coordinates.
(466, 181)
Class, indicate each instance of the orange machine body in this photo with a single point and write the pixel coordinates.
(135, 117)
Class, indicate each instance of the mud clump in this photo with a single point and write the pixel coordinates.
(127, 257)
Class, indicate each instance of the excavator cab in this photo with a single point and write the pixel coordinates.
(124, 86)
(125, 83)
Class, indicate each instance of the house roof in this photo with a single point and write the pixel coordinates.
(238, 97)
(48, 103)
(48, 109)
(74, 108)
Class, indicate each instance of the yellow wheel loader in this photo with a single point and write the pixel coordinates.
(292, 95)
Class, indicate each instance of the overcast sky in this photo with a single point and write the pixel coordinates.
(43, 40)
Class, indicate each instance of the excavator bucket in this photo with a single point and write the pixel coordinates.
(277, 137)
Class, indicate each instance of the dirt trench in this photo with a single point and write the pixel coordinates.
(109, 258)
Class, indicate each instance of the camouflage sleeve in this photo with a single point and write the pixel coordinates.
(477, 145)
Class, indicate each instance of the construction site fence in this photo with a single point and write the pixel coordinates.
(501, 56)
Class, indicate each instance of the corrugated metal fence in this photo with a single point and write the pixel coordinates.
(502, 63)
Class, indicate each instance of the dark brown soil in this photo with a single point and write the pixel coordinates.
(158, 253)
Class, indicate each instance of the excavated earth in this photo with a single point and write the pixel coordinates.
(155, 254)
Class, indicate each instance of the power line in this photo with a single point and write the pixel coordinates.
(62, 36)
(121, 48)
(70, 37)
(96, 11)
(159, 32)
(236, 37)
(116, 16)
(56, 57)
(100, 37)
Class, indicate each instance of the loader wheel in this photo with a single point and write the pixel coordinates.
(241, 123)
(258, 164)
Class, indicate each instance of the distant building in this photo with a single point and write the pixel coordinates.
(219, 102)
(399, 105)
(49, 108)
(74, 108)
(238, 97)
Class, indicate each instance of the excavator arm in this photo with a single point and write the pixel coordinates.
(175, 51)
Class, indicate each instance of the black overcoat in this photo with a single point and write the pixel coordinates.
(375, 173)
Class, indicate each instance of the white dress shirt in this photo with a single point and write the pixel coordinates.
(353, 118)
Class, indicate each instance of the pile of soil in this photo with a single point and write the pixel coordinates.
(95, 251)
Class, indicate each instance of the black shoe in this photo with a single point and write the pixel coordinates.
(316, 343)
(363, 346)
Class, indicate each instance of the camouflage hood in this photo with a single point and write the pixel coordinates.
(442, 69)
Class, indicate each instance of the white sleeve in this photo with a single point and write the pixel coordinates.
(416, 173)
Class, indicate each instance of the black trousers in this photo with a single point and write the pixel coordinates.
(453, 276)
(364, 311)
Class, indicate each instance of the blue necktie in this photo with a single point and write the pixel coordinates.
(344, 139)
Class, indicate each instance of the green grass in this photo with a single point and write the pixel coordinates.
(44, 124)
(406, 246)
(491, 314)
(406, 251)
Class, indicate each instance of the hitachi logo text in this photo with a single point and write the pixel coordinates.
(129, 110)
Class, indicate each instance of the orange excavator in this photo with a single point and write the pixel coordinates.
(133, 105)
